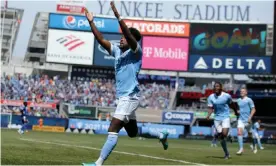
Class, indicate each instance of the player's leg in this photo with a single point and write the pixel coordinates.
(258, 140)
(131, 128)
(111, 141)
(225, 130)
(240, 136)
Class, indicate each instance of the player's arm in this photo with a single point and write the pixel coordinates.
(127, 34)
(99, 37)
(210, 107)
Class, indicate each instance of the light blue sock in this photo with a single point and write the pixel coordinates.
(259, 143)
(240, 140)
(109, 145)
(224, 146)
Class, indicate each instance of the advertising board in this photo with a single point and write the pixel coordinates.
(165, 53)
(48, 128)
(157, 28)
(177, 117)
(80, 23)
(101, 56)
(70, 47)
(230, 64)
(88, 73)
(101, 127)
(228, 39)
(70, 6)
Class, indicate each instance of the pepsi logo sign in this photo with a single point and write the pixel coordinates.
(70, 21)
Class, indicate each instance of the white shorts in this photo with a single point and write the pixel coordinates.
(126, 108)
(245, 125)
(220, 124)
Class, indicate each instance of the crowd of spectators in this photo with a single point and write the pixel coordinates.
(98, 92)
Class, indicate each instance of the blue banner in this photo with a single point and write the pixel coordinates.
(80, 23)
(101, 127)
(33, 120)
(177, 117)
(154, 129)
(101, 56)
(230, 64)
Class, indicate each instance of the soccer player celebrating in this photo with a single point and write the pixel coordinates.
(246, 112)
(219, 103)
(256, 136)
(24, 120)
(128, 62)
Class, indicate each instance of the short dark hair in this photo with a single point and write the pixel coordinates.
(218, 83)
(25, 103)
(136, 34)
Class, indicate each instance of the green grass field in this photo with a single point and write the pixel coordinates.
(43, 148)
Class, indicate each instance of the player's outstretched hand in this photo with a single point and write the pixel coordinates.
(115, 11)
(88, 15)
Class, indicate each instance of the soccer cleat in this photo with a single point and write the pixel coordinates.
(262, 148)
(240, 152)
(226, 157)
(89, 164)
(251, 146)
(255, 151)
(163, 139)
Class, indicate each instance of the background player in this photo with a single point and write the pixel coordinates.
(128, 62)
(219, 102)
(24, 120)
(256, 136)
(246, 112)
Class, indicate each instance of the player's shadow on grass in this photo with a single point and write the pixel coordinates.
(215, 157)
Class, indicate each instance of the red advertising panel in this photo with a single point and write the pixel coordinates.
(157, 28)
(30, 104)
(165, 53)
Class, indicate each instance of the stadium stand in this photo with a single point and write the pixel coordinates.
(10, 23)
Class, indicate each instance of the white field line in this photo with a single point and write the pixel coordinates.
(114, 151)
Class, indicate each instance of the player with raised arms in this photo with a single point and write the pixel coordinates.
(219, 103)
(246, 112)
(128, 62)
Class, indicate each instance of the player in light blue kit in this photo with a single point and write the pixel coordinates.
(219, 103)
(246, 112)
(128, 62)
(257, 139)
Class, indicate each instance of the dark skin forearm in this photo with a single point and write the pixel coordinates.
(99, 37)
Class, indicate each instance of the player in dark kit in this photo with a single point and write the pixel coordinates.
(24, 120)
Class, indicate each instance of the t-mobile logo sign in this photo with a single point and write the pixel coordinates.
(175, 53)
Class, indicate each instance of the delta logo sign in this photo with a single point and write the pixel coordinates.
(229, 64)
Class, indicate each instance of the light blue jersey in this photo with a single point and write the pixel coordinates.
(245, 106)
(127, 68)
(220, 105)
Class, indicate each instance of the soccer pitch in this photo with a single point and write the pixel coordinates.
(43, 148)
